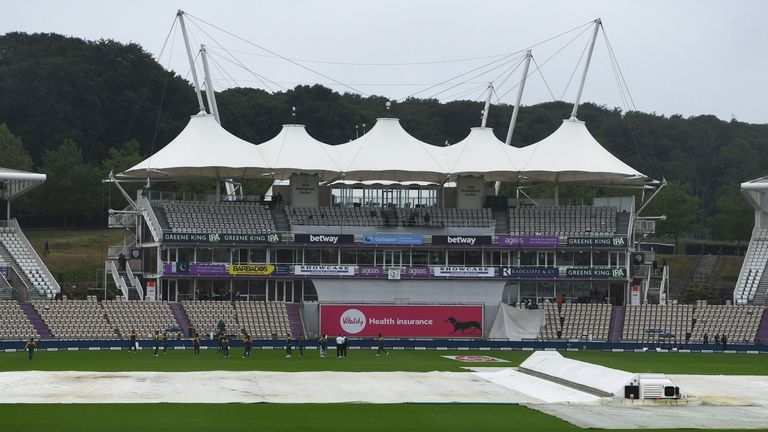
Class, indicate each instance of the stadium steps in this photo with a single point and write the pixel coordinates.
(36, 320)
(181, 318)
(294, 318)
(617, 324)
(622, 223)
(162, 218)
(280, 220)
(762, 331)
(502, 221)
(762, 290)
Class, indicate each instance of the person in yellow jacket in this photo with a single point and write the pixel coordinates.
(30, 346)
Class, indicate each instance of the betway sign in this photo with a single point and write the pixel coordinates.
(324, 238)
(461, 240)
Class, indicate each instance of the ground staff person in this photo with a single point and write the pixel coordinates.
(247, 343)
(30, 347)
(196, 344)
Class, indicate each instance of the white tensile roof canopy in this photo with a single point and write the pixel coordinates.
(293, 150)
(387, 152)
(572, 155)
(203, 149)
(481, 154)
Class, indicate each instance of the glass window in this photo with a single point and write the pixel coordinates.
(581, 258)
(437, 257)
(164, 255)
(284, 256)
(564, 258)
(221, 255)
(311, 256)
(186, 254)
(257, 255)
(473, 258)
(329, 256)
(419, 257)
(204, 255)
(527, 258)
(365, 257)
(455, 258)
(599, 258)
(564, 288)
(348, 256)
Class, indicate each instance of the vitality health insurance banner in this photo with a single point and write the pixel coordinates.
(434, 321)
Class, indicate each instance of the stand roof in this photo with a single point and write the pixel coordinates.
(388, 152)
(571, 154)
(203, 149)
(14, 183)
(293, 150)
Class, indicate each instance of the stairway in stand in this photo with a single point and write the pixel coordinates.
(294, 318)
(617, 324)
(762, 331)
(181, 318)
(36, 320)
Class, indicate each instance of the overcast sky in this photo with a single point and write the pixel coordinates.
(678, 57)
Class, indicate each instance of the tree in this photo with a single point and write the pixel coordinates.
(734, 218)
(682, 209)
(72, 187)
(13, 155)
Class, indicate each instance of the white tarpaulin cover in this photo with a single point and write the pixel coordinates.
(257, 386)
(552, 364)
(516, 324)
(293, 150)
(571, 154)
(203, 149)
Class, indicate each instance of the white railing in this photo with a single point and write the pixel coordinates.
(133, 280)
(149, 215)
(55, 284)
(119, 281)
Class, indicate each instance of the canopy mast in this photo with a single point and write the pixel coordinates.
(209, 92)
(487, 107)
(180, 14)
(598, 23)
(512, 121)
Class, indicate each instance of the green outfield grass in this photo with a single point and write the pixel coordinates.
(357, 417)
(366, 360)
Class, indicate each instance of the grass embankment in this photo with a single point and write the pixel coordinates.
(75, 256)
(318, 417)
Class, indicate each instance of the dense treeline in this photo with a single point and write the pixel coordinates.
(77, 109)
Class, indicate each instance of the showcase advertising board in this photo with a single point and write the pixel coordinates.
(464, 271)
(4, 272)
(433, 321)
(324, 270)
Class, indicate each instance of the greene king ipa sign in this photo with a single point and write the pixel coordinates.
(434, 321)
